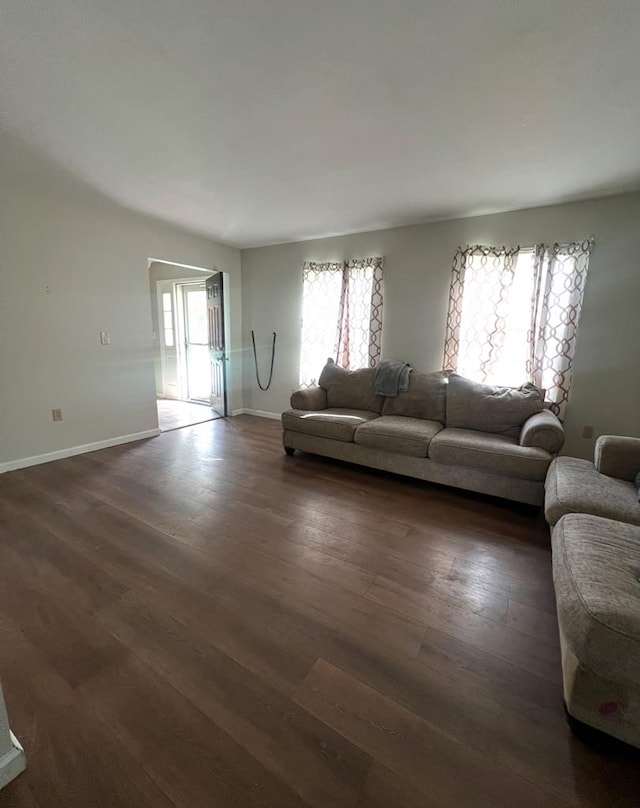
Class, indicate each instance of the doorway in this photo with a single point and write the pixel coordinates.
(190, 345)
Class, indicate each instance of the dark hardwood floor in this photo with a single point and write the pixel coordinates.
(198, 620)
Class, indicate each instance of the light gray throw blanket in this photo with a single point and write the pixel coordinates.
(392, 377)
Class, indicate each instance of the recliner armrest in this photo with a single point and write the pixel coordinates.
(544, 431)
(617, 456)
(313, 398)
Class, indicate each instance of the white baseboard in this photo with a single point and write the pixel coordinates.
(275, 416)
(12, 763)
(36, 460)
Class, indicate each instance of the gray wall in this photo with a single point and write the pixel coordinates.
(606, 385)
(74, 264)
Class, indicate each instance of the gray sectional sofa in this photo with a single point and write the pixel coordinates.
(444, 428)
(594, 514)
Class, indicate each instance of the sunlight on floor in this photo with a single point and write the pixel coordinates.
(176, 414)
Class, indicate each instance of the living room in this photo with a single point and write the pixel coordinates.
(195, 617)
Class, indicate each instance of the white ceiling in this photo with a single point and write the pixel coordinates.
(257, 122)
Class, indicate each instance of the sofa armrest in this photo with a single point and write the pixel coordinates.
(617, 456)
(313, 398)
(544, 431)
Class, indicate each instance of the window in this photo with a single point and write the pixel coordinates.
(514, 313)
(167, 318)
(495, 317)
(341, 316)
(322, 288)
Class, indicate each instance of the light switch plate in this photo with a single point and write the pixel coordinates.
(105, 338)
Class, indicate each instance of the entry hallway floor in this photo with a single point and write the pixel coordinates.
(174, 414)
(199, 620)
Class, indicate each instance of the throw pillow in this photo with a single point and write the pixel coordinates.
(501, 410)
(350, 389)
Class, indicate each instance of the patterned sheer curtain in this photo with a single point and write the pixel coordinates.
(514, 313)
(561, 273)
(481, 300)
(341, 316)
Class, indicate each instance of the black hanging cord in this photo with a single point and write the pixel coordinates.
(255, 360)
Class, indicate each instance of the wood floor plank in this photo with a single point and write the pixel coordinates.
(241, 629)
(251, 547)
(193, 761)
(532, 592)
(462, 709)
(164, 606)
(450, 772)
(325, 605)
(507, 683)
(318, 764)
(74, 760)
(469, 624)
(384, 789)
(487, 548)
(534, 622)
(61, 566)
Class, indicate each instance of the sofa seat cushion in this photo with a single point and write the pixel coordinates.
(334, 423)
(595, 572)
(395, 433)
(426, 397)
(576, 486)
(497, 454)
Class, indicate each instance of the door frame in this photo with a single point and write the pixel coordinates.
(210, 285)
(232, 319)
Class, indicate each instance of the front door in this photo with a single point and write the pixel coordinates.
(217, 355)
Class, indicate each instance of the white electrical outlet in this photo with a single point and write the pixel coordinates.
(56, 414)
(105, 338)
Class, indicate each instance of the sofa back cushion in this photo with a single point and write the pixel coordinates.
(426, 398)
(501, 410)
(350, 389)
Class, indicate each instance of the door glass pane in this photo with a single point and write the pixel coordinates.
(197, 317)
(167, 319)
(199, 371)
